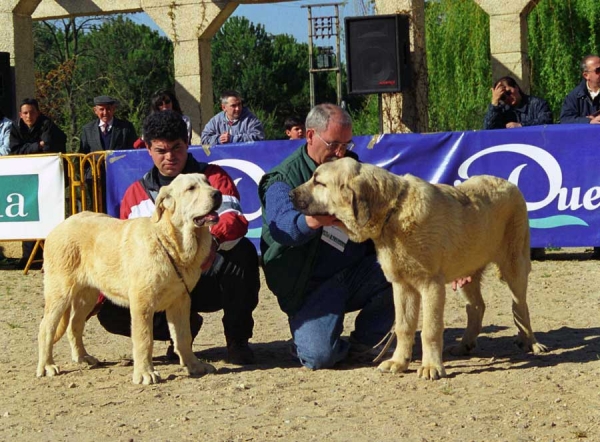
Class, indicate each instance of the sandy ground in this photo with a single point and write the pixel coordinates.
(496, 394)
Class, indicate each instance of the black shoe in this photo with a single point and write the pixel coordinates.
(538, 254)
(171, 355)
(239, 353)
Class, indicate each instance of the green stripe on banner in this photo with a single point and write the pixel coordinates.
(19, 199)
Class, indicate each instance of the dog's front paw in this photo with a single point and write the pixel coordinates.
(146, 377)
(393, 366)
(431, 373)
(198, 368)
(534, 347)
(47, 370)
(87, 359)
(539, 348)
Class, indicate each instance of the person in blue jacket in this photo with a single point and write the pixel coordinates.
(511, 107)
(582, 105)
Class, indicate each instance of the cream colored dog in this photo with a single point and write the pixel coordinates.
(428, 235)
(148, 264)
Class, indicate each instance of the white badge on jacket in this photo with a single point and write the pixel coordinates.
(335, 237)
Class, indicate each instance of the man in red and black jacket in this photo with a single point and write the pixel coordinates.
(230, 277)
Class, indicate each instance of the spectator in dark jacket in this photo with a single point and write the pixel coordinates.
(511, 107)
(582, 105)
(35, 132)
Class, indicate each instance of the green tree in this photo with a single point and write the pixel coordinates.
(561, 33)
(129, 62)
(58, 47)
(78, 59)
(271, 72)
(458, 64)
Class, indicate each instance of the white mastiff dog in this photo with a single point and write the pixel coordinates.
(147, 264)
(426, 236)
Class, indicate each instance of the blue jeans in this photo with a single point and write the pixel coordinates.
(318, 325)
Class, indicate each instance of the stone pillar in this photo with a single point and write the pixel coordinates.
(508, 38)
(407, 111)
(191, 26)
(16, 38)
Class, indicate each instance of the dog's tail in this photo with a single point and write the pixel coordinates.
(62, 325)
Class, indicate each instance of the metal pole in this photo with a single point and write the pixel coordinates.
(380, 108)
(310, 59)
(338, 73)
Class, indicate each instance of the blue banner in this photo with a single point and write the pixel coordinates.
(556, 168)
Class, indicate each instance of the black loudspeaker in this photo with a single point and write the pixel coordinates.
(6, 87)
(377, 54)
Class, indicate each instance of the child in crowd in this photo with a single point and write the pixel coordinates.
(294, 128)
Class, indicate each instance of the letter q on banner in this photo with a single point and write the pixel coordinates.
(32, 196)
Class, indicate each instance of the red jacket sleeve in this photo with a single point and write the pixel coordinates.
(232, 224)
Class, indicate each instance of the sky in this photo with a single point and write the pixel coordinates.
(280, 18)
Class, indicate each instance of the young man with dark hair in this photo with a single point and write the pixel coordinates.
(230, 278)
(35, 133)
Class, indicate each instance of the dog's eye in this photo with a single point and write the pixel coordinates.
(191, 188)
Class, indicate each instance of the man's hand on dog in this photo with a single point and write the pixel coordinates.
(318, 221)
(460, 283)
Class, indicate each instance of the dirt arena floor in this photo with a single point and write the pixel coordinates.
(496, 394)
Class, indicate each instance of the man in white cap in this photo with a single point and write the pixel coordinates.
(107, 132)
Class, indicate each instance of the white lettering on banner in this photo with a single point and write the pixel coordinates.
(15, 209)
(252, 170)
(551, 167)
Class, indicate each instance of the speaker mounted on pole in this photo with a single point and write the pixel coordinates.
(377, 54)
(6, 86)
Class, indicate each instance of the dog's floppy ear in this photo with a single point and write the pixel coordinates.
(360, 208)
(163, 195)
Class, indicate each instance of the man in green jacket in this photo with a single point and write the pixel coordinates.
(316, 272)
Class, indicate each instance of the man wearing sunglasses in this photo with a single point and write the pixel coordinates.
(582, 105)
(317, 274)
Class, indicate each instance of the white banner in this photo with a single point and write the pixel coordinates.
(32, 196)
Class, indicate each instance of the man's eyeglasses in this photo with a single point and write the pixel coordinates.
(165, 101)
(595, 70)
(334, 146)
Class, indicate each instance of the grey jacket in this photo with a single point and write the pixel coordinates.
(247, 128)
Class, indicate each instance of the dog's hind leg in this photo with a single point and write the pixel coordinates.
(475, 309)
(57, 304)
(515, 273)
(178, 316)
(81, 306)
(407, 302)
